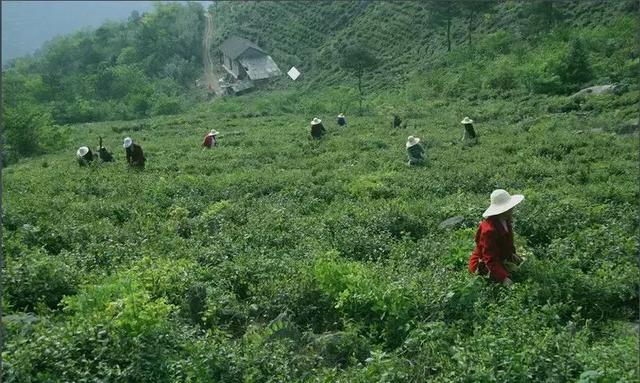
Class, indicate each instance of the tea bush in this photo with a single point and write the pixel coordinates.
(274, 257)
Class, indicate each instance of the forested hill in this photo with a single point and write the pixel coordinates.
(121, 70)
(147, 66)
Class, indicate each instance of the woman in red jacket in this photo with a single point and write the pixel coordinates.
(494, 239)
(211, 139)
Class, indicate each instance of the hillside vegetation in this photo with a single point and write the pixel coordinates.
(516, 46)
(277, 258)
(142, 67)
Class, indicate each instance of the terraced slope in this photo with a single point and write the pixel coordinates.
(310, 34)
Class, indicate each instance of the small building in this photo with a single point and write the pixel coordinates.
(245, 60)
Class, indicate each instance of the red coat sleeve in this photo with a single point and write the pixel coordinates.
(491, 255)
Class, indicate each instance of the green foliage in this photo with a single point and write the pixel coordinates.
(384, 308)
(442, 14)
(543, 15)
(273, 258)
(578, 69)
(117, 71)
(359, 60)
(199, 273)
(22, 125)
(115, 331)
(39, 278)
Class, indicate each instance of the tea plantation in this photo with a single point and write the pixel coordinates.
(278, 258)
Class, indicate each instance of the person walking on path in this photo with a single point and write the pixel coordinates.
(494, 249)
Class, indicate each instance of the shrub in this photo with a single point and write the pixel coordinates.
(115, 331)
(22, 125)
(576, 70)
(36, 277)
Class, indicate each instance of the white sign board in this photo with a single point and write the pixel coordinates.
(293, 73)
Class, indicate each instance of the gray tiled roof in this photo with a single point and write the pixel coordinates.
(234, 46)
(259, 68)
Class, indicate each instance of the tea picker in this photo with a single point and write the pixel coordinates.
(494, 254)
(317, 129)
(415, 151)
(342, 121)
(84, 156)
(211, 139)
(396, 121)
(469, 136)
(103, 153)
(135, 155)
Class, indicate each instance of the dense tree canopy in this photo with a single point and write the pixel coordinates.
(121, 70)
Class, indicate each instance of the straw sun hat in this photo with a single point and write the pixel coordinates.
(411, 140)
(316, 121)
(82, 151)
(341, 115)
(213, 132)
(466, 120)
(127, 142)
(501, 201)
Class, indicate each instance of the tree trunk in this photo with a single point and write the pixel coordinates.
(449, 34)
(549, 15)
(470, 26)
(360, 89)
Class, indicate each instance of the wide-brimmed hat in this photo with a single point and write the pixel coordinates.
(82, 151)
(341, 115)
(466, 120)
(213, 132)
(127, 142)
(411, 140)
(501, 201)
(316, 121)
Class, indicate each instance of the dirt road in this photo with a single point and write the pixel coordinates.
(210, 78)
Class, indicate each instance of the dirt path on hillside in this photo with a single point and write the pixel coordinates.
(210, 76)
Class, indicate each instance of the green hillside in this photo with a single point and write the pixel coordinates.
(277, 258)
(507, 39)
(274, 258)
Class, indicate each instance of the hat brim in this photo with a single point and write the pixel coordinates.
(469, 121)
(409, 144)
(499, 209)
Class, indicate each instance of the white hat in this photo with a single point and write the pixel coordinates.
(82, 151)
(127, 142)
(501, 201)
(466, 120)
(411, 140)
(341, 115)
(316, 121)
(213, 132)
